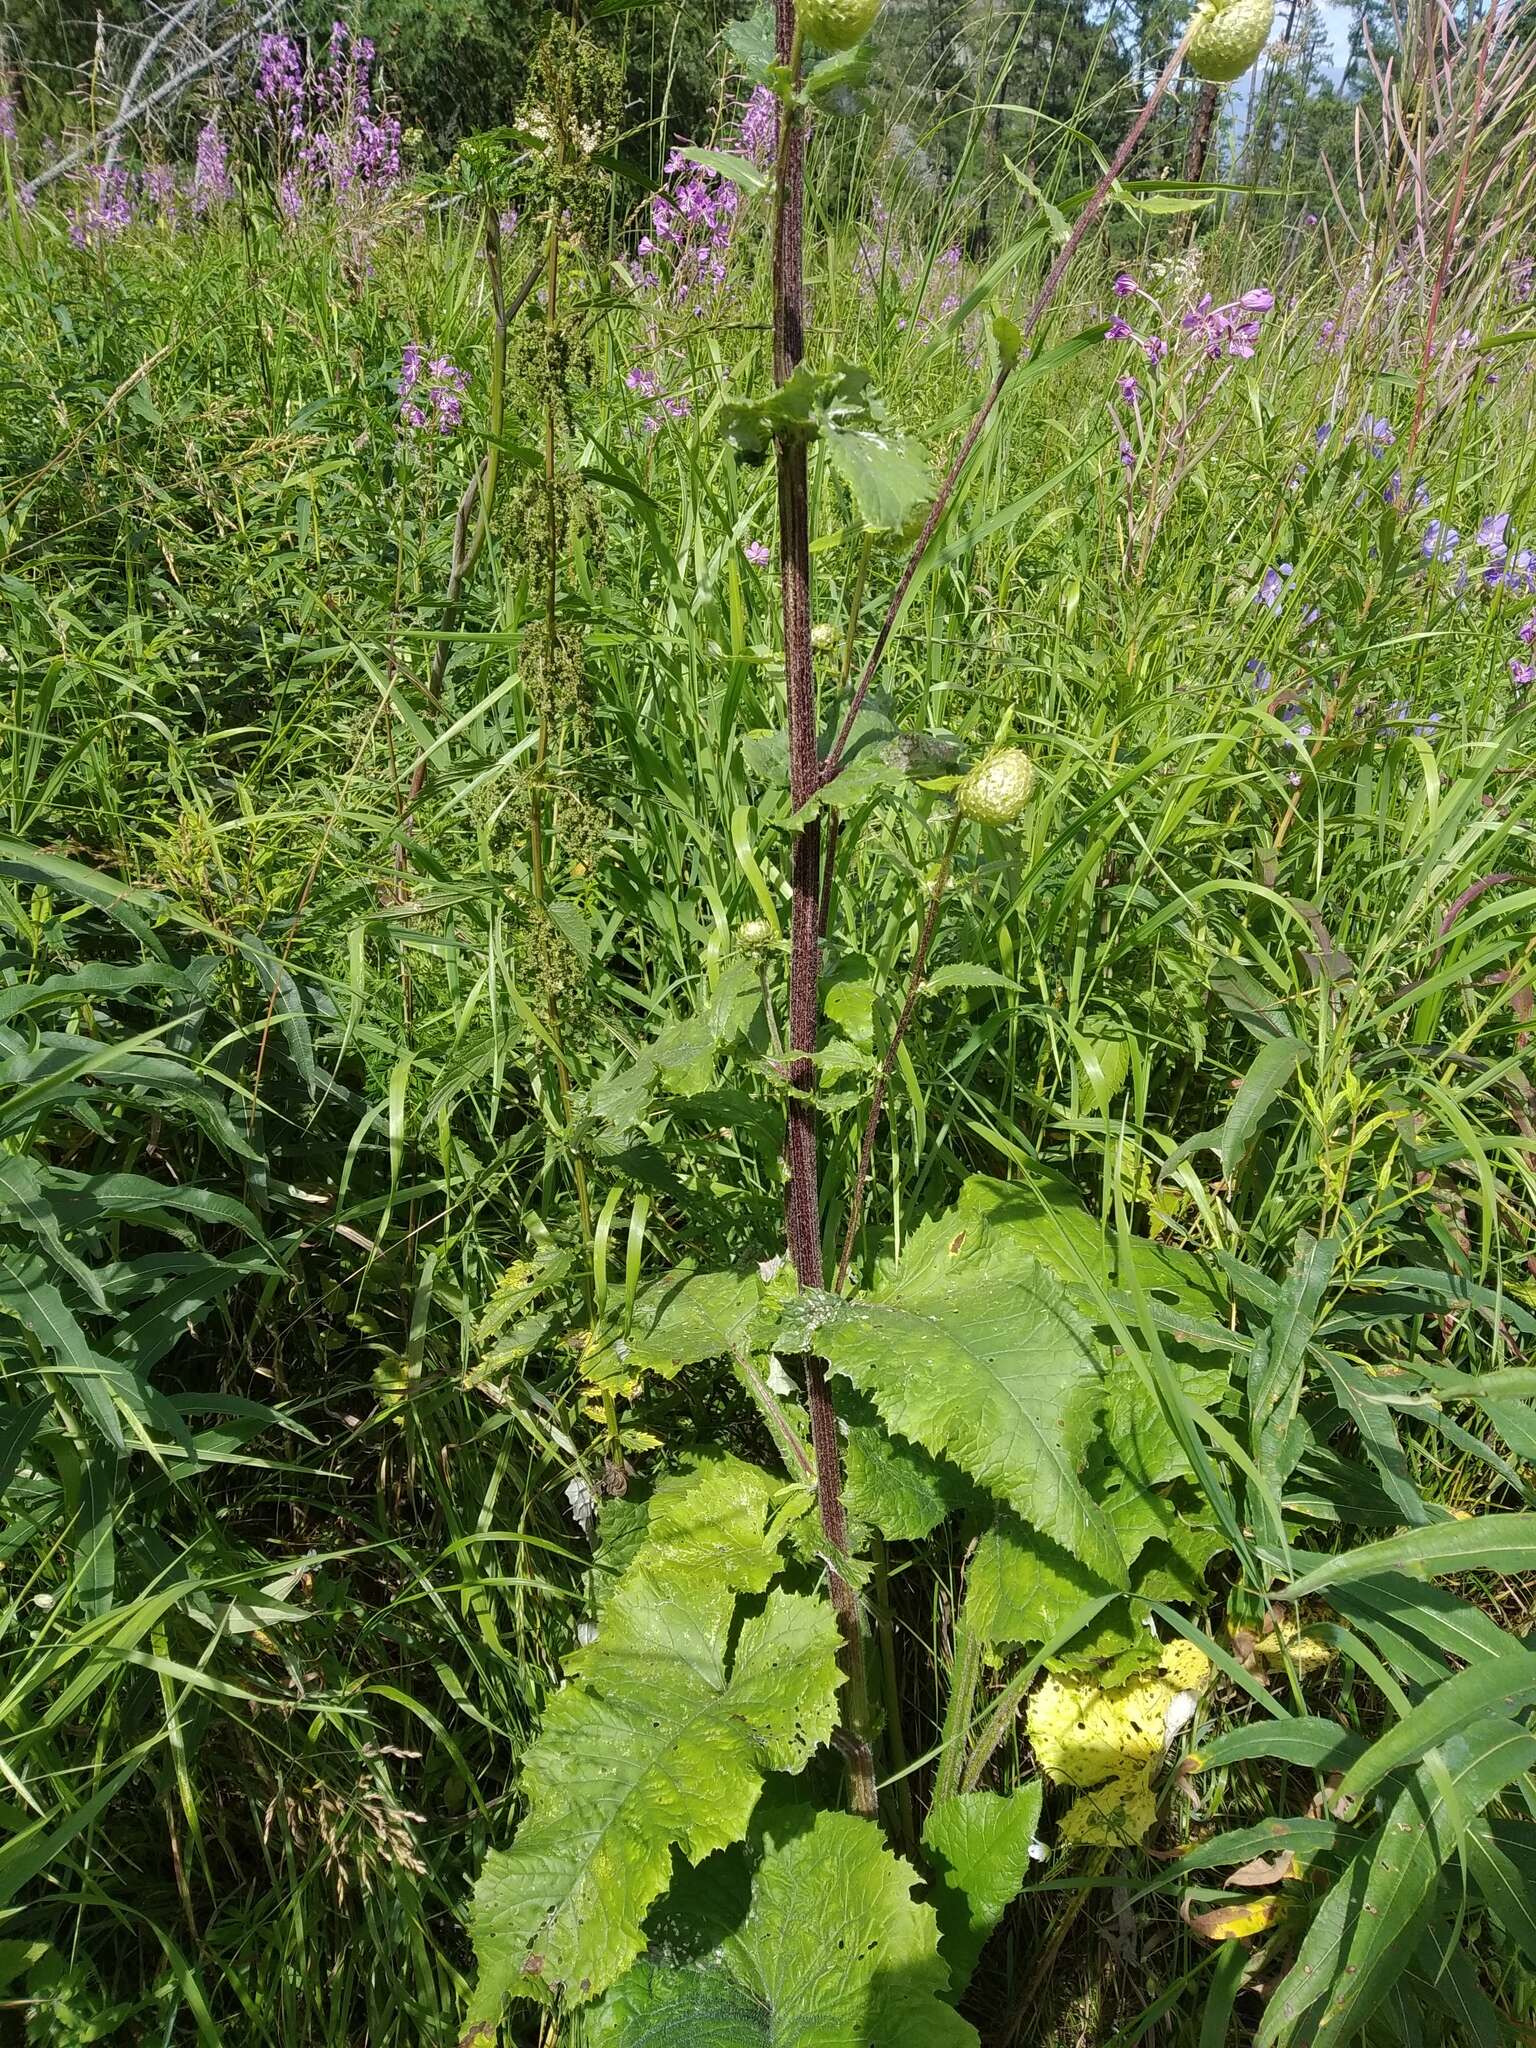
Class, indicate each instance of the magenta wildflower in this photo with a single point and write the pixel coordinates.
(1129, 389)
(1124, 285)
(210, 175)
(108, 211)
(758, 133)
(757, 554)
(1118, 330)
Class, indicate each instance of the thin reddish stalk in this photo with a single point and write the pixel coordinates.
(1031, 321)
(803, 1212)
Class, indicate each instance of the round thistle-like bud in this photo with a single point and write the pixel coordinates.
(1229, 38)
(997, 789)
(838, 24)
(823, 636)
(756, 933)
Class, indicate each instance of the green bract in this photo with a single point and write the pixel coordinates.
(838, 24)
(1229, 37)
(997, 789)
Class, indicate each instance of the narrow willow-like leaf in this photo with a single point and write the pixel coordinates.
(1374, 1913)
(1502, 1543)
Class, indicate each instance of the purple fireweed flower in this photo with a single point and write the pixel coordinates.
(1521, 673)
(642, 381)
(1261, 300)
(210, 176)
(157, 187)
(430, 389)
(290, 196)
(1271, 590)
(757, 554)
(108, 211)
(758, 131)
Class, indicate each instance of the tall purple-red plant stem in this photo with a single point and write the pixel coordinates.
(804, 1202)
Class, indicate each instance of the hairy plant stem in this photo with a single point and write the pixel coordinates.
(883, 1078)
(1027, 327)
(803, 1217)
(964, 1677)
(1200, 134)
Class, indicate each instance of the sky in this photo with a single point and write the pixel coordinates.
(1338, 20)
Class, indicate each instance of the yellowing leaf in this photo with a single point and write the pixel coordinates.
(1082, 1734)
(1115, 1815)
(1287, 1645)
(1239, 1922)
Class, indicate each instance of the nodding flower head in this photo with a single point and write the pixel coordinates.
(1229, 38)
(997, 790)
(838, 24)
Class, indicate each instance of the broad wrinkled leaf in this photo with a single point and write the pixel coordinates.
(885, 469)
(834, 1952)
(836, 84)
(1024, 1588)
(978, 1846)
(683, 1319)
(893, 1485)
(662, 1736)
(972, 1350)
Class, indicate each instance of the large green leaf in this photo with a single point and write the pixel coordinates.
(684, 1318)
(1024, 1588)
(973, 1350)
(885, 469)
(834, 1952)
(662, 1736)
(978, 1844)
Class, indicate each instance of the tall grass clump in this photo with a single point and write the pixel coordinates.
(768, 1146)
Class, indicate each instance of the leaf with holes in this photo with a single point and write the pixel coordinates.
(661, 1737)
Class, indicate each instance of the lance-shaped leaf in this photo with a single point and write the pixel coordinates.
(1371, 1919)
(662, 1737)
(973, 1350)
(833, 1953)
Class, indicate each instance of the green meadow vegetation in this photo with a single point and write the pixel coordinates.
(767, 1112)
